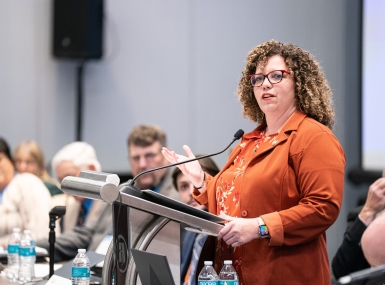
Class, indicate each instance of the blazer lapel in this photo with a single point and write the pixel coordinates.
(290, 126)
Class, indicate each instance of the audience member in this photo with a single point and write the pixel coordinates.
(70, 161)
(373, 241)
(192, 243)
(28, 157)
(350, 257)
(88, 237)
(24, 200)
(145, 143)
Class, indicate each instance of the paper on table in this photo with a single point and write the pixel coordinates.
(57, 280)
(42, 269)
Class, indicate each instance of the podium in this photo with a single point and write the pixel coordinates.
(142, 220)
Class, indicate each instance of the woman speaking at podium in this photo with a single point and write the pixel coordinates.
(282, 186)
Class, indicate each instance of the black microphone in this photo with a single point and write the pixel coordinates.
(58, 211)
(237, 136)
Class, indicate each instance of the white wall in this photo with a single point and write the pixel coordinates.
(171, 63)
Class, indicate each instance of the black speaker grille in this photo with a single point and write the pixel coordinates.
(77, 28)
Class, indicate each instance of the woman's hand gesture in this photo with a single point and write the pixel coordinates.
(192, 170)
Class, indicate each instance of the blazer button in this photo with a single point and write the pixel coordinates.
(244, 213)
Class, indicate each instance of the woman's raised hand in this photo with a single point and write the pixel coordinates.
(192, 170)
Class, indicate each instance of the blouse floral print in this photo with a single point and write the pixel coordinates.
(228, 193)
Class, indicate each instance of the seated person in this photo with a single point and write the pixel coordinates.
(144, 153)
(144, 144)
(373, 241)
(70, 161)
(28, 157)
(350, 257)
(192, 243)
(88, 237)
(24, 200)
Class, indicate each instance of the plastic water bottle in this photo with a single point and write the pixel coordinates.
(228, 275)
(208, 276)
(13, 256)
(27, 257)
(81, 269)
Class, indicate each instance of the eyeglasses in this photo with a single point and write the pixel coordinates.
(149, 157)
(274, 77)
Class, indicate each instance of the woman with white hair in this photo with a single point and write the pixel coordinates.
(70, 161)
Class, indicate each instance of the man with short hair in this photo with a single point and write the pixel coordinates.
(144, 144)
(70, 161)
(349, 256)
(86, 221)
(373, 241)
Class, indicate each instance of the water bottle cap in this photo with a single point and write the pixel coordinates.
(27, 231)
(16, 230)
(208, 263)
(228, 262)
(82, 250)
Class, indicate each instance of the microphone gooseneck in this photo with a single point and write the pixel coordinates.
(237, 136)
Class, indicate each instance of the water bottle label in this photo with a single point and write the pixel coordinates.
(27, 251)
(80, 272)
(13, 248)
(228, 282)
(207, 282)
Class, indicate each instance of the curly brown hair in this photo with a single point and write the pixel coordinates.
(312, 92)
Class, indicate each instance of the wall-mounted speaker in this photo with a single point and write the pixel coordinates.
(77, 28)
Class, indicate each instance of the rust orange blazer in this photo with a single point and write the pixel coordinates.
(296, 186)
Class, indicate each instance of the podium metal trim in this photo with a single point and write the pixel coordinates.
(149, 214)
